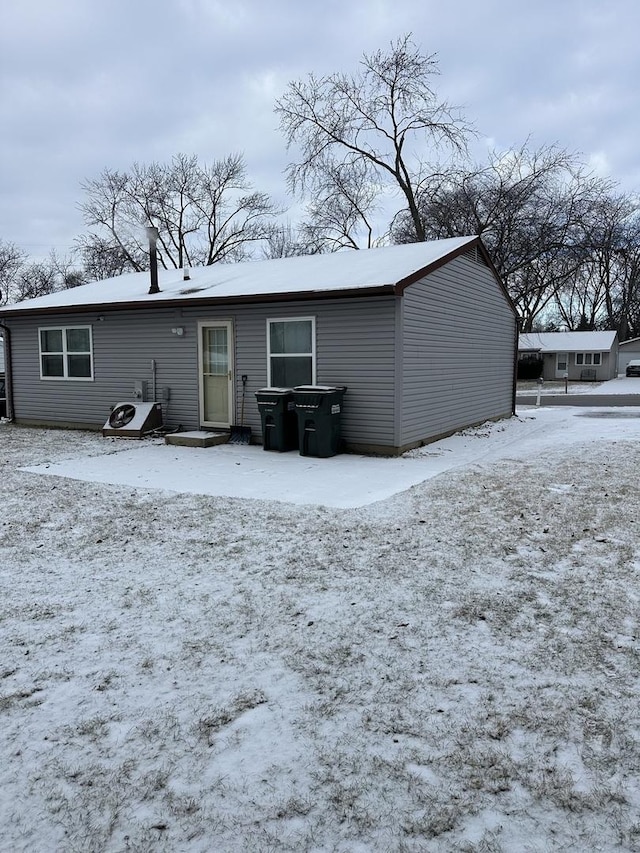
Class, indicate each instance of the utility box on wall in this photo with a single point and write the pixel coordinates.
(140, 390)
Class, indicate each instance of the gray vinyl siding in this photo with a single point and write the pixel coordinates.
(354, 347)
(458, 345)
(124, 343)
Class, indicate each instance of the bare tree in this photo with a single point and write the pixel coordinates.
(35, 279)
(603, 289)
(204, 214)
(285, 241)
(23, 279)
(12, 260)
(102, 257)
(624, 305)
(371, 122)
(39, 278)
(533, 209)
(343, 207)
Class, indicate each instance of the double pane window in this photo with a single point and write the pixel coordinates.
(291, 352)
(66, 353)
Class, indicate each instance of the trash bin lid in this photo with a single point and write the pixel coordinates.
(275, 391)
(316, 388)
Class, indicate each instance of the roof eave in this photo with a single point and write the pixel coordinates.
(476, 242)
(137, 305)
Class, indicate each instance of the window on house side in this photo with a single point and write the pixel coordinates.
(291, 352)
(589, 358)
(66, 353)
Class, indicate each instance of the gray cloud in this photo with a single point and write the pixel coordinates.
(84, 86)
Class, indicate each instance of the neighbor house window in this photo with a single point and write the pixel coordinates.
(291, 352)
(66, 353)
(588, 358)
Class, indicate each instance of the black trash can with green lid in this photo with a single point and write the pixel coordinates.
(319, 410)
(278, 415)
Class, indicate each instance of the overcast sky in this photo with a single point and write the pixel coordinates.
(86, 85)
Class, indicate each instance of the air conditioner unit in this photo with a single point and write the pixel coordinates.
(133, 420)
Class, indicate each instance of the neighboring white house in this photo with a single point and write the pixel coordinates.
(627, 351)
(587, 356)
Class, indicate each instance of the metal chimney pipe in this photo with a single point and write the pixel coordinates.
(152, 234)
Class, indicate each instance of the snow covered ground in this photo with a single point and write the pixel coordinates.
(232, 650)
(620, 385)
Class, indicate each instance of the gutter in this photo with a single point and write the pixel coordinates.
(209, 301)
(8, 373)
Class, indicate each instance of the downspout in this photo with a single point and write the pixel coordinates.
(8, 373)
(516, 335)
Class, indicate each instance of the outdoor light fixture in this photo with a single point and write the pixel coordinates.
(178, 330)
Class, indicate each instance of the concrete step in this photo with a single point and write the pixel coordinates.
(196, 438)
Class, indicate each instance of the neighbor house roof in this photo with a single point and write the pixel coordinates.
(368, 271)
(566, 341)
(632, 343)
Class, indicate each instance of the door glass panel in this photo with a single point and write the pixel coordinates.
(215, 370)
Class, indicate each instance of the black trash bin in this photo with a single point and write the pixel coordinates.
(318, 408)
(278, 414)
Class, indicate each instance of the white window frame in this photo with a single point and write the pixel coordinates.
(311, 320)
(65, 354)
(581, 359)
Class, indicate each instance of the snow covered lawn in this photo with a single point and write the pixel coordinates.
(448, 660)
(620, 385)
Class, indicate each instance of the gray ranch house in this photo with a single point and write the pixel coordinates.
(586, 356)
(420, 335)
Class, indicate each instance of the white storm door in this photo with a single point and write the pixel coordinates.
(215, 346)
(562, 364)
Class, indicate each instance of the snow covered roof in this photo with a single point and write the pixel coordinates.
(632, 343)
(567, 341)
(367, 269)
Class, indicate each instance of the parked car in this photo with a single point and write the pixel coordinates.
(633, 368)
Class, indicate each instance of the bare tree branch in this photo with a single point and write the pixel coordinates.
(204, 214)
(371, 118)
